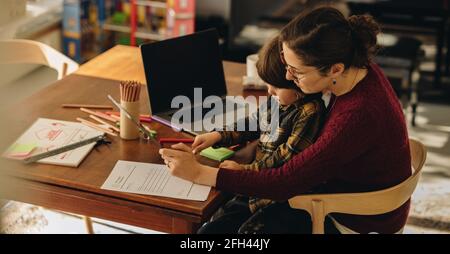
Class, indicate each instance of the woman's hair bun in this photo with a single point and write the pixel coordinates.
(365, 29)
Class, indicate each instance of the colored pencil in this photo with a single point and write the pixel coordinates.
(86, 106)
(95, 126)
(99, 114)
(105, 123)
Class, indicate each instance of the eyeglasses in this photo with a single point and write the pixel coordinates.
(290, 69)
(294, 73)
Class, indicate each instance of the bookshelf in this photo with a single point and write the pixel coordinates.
(156, 20)
(92, 26)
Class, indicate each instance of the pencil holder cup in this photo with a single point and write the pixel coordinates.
(128, 129)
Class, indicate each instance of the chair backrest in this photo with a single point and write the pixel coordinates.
(367, 203)
(28, 66)
(32, 52)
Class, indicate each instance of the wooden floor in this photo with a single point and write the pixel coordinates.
(20, 218)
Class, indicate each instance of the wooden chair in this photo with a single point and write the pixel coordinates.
(367, 203)
(28, 66)
(32, 52)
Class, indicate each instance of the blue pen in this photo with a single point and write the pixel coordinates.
(165, 122)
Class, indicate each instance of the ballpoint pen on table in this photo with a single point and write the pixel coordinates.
(176, 140)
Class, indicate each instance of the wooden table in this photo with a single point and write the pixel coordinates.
(77, 190)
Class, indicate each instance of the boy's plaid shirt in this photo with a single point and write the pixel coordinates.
(298, 128)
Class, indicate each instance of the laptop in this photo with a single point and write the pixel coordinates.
(191, 67)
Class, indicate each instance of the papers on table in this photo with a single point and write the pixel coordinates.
(49, 134)
(152, 179)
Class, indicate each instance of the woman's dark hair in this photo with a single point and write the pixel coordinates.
(324, 37)
(270, 67)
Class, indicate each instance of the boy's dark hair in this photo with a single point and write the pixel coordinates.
(270, 67)
(324, 37)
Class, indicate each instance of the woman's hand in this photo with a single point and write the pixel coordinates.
(182, 163)
(231, 165)
(205, 140)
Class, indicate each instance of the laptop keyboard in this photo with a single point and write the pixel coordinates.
(228, 115)
(204, 111)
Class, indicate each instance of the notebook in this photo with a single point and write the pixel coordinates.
(48, 134)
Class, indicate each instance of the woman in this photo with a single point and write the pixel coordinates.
(363, 145)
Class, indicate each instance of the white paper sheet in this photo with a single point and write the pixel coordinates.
(152, 179)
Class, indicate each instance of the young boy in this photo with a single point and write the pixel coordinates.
(300, 119)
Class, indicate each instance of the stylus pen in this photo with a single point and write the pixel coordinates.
(167, 123)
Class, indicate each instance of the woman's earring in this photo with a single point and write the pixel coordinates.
(334, 81)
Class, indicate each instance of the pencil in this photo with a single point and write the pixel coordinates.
(86, 106)
(99, 114)
(115, 117)
(117, 113)
(95, 126)
(105, 123)
(130, 90)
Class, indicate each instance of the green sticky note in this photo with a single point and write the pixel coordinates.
(20, 150)
(218, 154)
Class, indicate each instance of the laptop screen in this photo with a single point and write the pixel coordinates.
(176, 66)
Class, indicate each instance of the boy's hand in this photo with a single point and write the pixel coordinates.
(231, 165)
(247, 154)
(205, 140)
